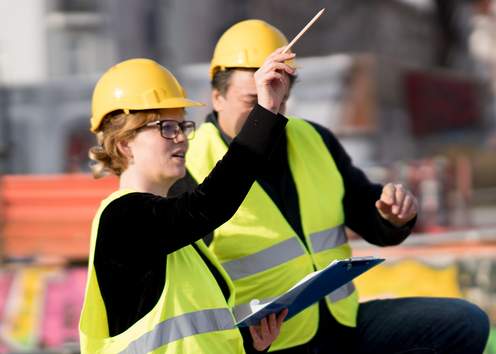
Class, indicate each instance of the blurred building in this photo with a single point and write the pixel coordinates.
(395, 80)
(50, 59)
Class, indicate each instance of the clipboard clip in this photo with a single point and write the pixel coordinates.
(349, 264)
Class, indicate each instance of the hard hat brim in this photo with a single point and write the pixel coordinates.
(176, 102)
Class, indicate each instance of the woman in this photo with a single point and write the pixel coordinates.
(153, 286)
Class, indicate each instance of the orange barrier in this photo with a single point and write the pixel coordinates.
(49, 215)
(478, 242)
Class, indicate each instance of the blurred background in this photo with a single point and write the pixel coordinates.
(409, 87)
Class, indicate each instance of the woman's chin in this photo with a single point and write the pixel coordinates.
(173, 173)
(178, 173)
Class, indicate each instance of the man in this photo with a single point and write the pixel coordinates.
(292, 222)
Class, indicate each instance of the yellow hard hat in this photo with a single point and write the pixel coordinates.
(246, 45)
(136, 84)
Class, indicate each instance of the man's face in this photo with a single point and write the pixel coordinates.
(234, 106)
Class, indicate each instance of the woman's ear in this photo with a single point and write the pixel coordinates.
(125, 149)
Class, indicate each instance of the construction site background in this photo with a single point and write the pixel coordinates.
(408, 86)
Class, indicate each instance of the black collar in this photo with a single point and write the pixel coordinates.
(278, 158)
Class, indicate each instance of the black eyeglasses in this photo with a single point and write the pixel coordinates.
(169, 129)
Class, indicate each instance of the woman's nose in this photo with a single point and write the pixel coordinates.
(180, 137)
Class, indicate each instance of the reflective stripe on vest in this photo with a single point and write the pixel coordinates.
(341, 292)
(265, 259)
(328, 239)
(283, 252)
(180, 327)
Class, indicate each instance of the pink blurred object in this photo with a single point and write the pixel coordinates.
(5, 283)
(64, 299)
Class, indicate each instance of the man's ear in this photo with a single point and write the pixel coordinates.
(217, 100)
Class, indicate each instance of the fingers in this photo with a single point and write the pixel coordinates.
(272, 80)
(267, 71)
(273, 75)
(383, 207)
(276, 61)
(279, 66)
(272, 323)
(280, 318)
(400, 197)
(397, 204)
(406, 205)
(275, 323)
(278, 53)
(268, 330)
(410, 208)
(393, 195)
(254, 335)
(264, 328)
(261, 335)
(388, 194)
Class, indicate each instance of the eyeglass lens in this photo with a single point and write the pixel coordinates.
(170, 129)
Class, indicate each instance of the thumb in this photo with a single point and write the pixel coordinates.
(383, 208)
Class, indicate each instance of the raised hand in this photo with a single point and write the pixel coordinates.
(396, 204)
(272, 80)
(268, 330)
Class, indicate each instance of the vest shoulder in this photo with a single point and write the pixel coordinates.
(299, 126)
(207, 127)
(302, 122)
(205, 134)
(296, 123)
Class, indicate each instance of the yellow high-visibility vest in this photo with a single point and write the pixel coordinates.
(191, 316)
(259, 249)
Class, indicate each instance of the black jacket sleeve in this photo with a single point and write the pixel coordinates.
(359, 200)
(189, 216)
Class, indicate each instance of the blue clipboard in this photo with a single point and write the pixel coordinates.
(306, 292)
